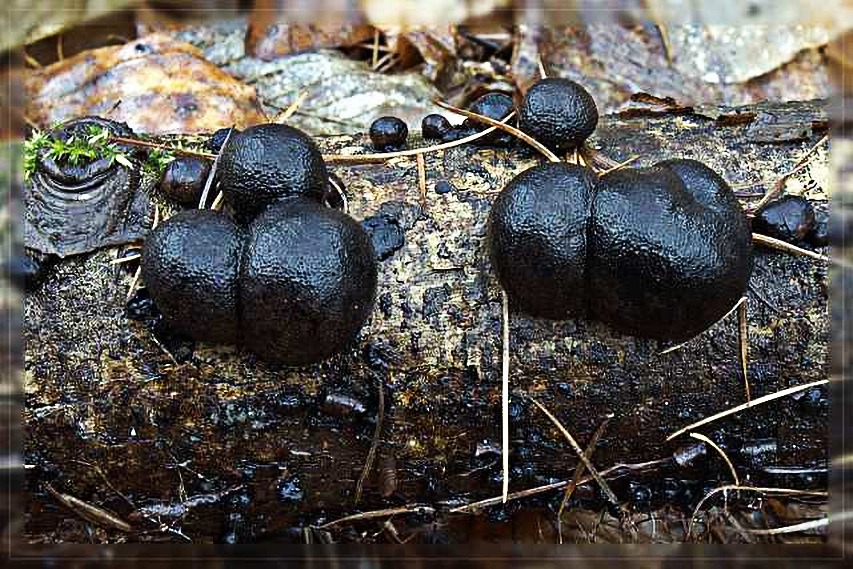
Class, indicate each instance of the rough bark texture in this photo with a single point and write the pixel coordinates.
(225, 447)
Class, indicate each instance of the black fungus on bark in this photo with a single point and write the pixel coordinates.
(559, 113)
(495, 106)
(294, 287)
(267, 163)
(388, 133)
(660, 252)
(184, 178)
(790, 218)
(434, 127)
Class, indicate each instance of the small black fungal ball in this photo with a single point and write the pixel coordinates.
(457, 132)
(435, 126)
(444, 187)
(388, 133)
(190, 264)
(790, 218)
(385, 233)
(269, 162)
(819, 235)
(308, 282)
(184, 178)
(660, 252)
(217, 139)
(495, 106)
(559, 113)
(28, 269)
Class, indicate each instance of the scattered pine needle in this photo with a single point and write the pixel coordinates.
(382, 156)
(375, 55)
(505, 392)
(804, 526)
(60, 52)
(501, 125)
(134, 283)
(618, 166)
(377, 432)
(341, 193)
(31, 61)
(579, 469)
(596, 158)
(217, 202)
(160, 146)
(212, 174)
(670, 349)
(412, 508)
(801, 164)
(126, 259)
(787, 247)
(592, 470)
(542, 73)
(704, 439)
(288, 112)
(742, 333)
(89, 512)
(737, 487)
(747, 405)
(156, 221)
(422, 178)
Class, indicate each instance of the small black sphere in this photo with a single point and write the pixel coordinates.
(308, 282)
(184, 178)
(388, 133)
(434, 126)
(190, 265)
(559, 113)
(266, 163)
(790, 218)
(495, 106)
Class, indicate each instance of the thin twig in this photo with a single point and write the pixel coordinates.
(217, 201)
(737, 487)
(505, 392)
(787, 247)
(579, 469)
(742, 334)
(704, 439)
(375, 56)
(504, 127)
(381, 156)
(800, 165)
(618, 166)
(592, 470)
(371, 454)
(747, 405)
(133, 284)
(127, 259)
(89, 512)
(60, 52)
(542, 73)
(380, 514)
(422, 178)
(160, 146)
(288, 112)
(212, 174)
(596, 158)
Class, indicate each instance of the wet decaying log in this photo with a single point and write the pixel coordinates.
(222, 447)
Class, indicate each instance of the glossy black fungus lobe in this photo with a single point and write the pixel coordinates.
(559, 113)
(266, 163)
(308, 282)
(434, 126)
(388, 133)
(184, 178)
(660, 252)
(495, 106)
(295, 286)
(190, 264)
(217, 139)
(790, 218)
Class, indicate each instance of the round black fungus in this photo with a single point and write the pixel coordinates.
(385, 233)
(660, 252)
(189, 265)
(790, 218)
(217, 139)
(444, 187)
(457, 132)
(559, 113)
(294, 287)
(495, 106)
(434, 127)
(28, 269)
(819, 235)
(388, 133)
(184, 178)
(308, 282)
(266, 163)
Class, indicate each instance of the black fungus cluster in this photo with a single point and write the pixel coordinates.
(288, 278)
(660, 252)
(793, 219)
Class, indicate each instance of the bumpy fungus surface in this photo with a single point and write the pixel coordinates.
(295, 286)
(559, 113)
(267, 163)
(495, 106)
(388, 133)
(790, 218)
(72, 209)
(183, 179)
(660, 252)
